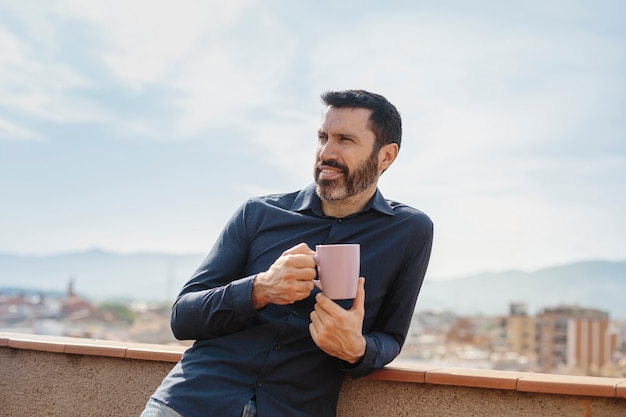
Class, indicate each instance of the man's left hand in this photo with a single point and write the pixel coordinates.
(337, 331)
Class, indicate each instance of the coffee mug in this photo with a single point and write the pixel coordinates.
(338, 270)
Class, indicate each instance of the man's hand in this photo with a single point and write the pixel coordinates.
(289, 279)
(337, 331)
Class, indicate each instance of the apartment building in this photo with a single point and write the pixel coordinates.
(520, 332)
(574, 340)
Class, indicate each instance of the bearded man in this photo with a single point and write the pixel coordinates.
(268, 343)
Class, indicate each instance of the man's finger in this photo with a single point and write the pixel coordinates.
(300, 248)
(359, 300)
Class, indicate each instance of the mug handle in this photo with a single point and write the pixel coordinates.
(317, 281)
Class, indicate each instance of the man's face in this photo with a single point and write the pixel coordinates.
(347, 158)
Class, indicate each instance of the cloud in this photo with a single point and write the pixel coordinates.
(182, 53)
(9, 130)
(34, 84)
(141, 41)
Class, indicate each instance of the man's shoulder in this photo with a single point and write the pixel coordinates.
(404, 211)
(280, 200)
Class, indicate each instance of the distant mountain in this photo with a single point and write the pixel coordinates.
(102, 275)
(592, 284)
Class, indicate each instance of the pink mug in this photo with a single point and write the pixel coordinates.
(338, 270)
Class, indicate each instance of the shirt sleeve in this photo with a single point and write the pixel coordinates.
(384, 341)
(217, 299)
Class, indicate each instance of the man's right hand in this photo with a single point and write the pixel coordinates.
(289, 279)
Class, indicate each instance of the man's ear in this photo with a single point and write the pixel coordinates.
(387, 154)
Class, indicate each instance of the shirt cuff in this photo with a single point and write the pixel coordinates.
(365, 365)
(240, 297)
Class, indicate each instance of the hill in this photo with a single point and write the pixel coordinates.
(592, 284)
(102, 275)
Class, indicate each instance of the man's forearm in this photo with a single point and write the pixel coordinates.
(194, 313)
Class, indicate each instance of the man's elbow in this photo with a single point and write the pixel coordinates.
(179, 330)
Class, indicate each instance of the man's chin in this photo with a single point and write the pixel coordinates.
(329, 192)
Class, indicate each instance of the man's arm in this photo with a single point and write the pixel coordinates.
(217, 300)
(338, 332)
(229, 308)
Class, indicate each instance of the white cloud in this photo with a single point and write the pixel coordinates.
(10, 130)
(288, 143)
(142, 43)
(143, 40)
(35, 84)
(236, 81)
(215, 63)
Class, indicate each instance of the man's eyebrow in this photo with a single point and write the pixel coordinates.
(347, 135)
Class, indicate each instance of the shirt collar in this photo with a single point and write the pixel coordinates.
(307, 199)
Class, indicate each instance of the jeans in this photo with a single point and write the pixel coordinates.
(156, 408)
(250, 409)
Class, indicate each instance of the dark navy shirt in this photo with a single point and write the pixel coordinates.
(241, 353)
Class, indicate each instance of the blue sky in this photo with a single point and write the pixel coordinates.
(141, 125)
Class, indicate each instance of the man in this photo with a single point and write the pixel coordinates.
(268, 343)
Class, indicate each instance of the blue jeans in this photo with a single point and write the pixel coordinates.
(156, 408)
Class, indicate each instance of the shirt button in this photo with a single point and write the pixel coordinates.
(295, 313)
(276, 347)
(259, 384)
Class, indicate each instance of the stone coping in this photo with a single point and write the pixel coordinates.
(399, 371)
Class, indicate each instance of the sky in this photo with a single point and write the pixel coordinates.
(141, 125)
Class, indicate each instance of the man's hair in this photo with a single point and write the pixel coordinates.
(384, 121)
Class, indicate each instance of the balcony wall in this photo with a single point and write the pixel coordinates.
(51, 376)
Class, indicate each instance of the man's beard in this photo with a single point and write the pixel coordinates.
(351, 184)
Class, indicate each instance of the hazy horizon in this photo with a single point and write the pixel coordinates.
(201, 255)
(102, 276)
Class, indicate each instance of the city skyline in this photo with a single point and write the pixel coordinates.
(141, 126)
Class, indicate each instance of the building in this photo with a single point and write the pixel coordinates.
(520, 332)
(574, 340)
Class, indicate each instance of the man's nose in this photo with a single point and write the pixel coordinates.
(327, 151)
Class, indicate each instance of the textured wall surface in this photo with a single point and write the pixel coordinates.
(53, 384)
(385, 399)
(38, 383)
